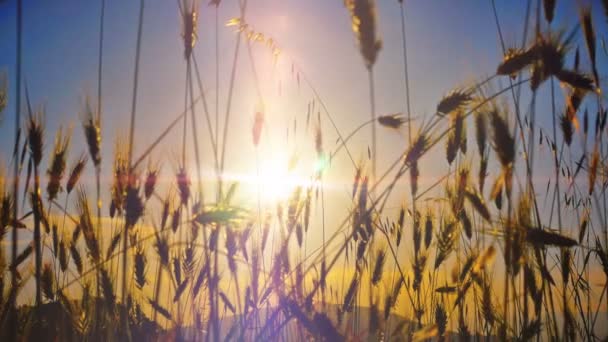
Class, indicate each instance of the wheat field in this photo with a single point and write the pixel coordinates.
(214, 182)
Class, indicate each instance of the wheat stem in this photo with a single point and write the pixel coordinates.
(99, 104)
(372, 103)
(217, 76)
(135, 84)
(243, 5)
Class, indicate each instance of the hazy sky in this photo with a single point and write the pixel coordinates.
(450, 43)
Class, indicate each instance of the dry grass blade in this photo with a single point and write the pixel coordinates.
(379, 266)
(394, 121)
(481, 134)
(55, 239)
(140, 267)
(483, 172)
(451, 147)
(76, 258)
(446, 289)
(515, 60)
(347, 304)
(27, 251)
(455, 100)
(76, 171)
(227, 302)
(299, 234)
(152, 174)
(414, 174)
(441, 319)
(576, 79)
(177, 269)
(445, 242)
(180, 290)
(47, 280)
(583, 228)
(63, 256)
(92, 133)
(391, 299)
(549, 6)
(86, 225)
(496, 193)
(566, 259)
(363, 19)
(189, 26)
(539, 237)
(466, 267)
(567, 129)
(113, 244)
(35, 136)
(589, 32)
(108, 289)
(162, 249)
(530, 282)
(160, 309)
(188, 261)
(573, 103)
(199, 281)
(416, 233)
(57, 167)
(593, 167)
(465, 221)
(504, 144)
(416, 150)
(478, 203)
(134, 206)
(428, 230)
(76, 233)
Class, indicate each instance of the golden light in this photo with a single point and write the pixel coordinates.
(273, 180)
(276, 181)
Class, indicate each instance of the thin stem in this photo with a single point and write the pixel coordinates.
(405, 73)
(243, 5)
(197, 154)
(130, 155)
(185, 126)
(100, 56)
(99, 102)
(37, 237)
(345, 140)
(135, 83)
(323, 263)
(372, 103)
(14, 275)
(217, 73)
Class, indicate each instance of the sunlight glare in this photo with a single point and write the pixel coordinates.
(275, 181)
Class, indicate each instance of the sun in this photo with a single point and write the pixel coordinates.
(276, 181)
